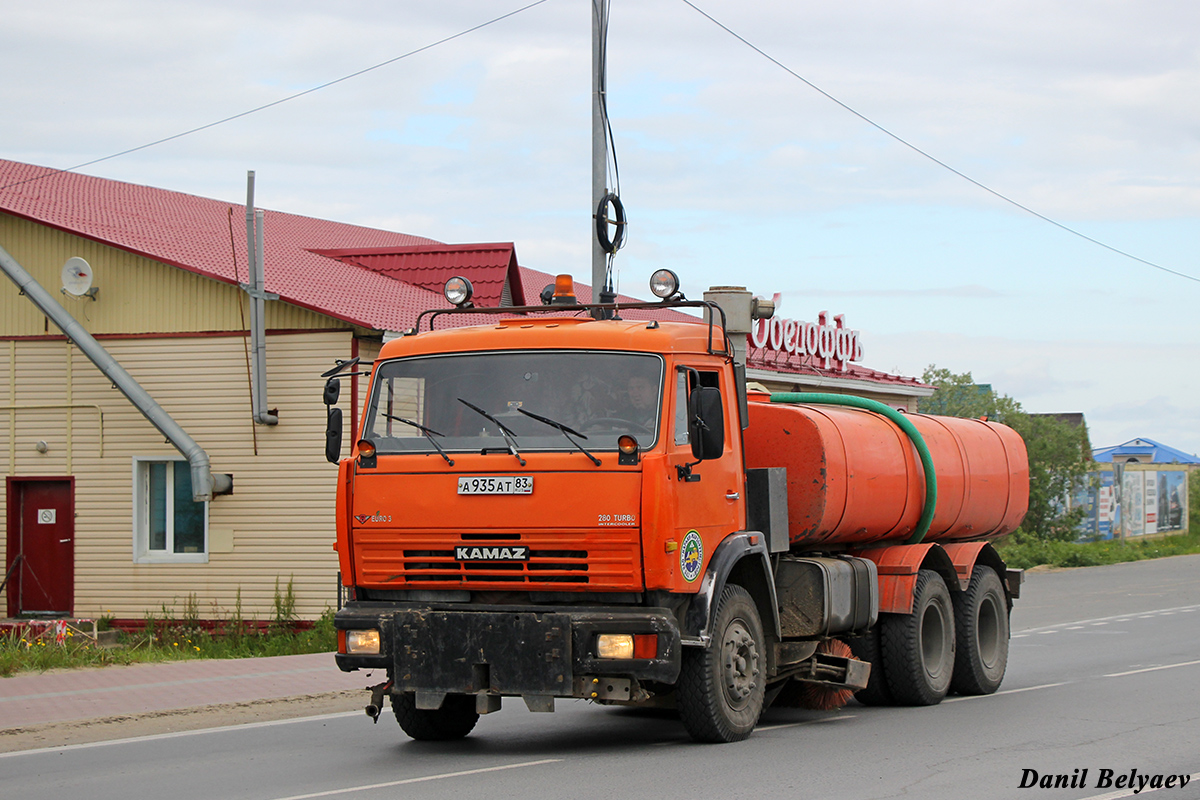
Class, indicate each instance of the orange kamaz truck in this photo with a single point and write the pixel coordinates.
(555, 502)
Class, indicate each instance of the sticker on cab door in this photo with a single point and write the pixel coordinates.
(691, 556)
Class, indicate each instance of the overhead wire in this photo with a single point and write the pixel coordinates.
(280, 101)
(928, 155)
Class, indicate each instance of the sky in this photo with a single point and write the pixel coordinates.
(732, 170)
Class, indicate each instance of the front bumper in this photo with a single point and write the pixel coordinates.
(507, 650)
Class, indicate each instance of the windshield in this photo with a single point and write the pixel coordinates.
(460, 401)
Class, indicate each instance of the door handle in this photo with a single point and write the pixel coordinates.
(63, 541)
(732, 495)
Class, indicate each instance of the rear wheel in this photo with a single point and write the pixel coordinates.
(981, 625)
(721, 688)
(454, 720)
(918, 648)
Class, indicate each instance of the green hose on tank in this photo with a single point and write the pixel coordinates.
(821, 398)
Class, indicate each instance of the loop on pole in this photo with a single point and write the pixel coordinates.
(610, 246)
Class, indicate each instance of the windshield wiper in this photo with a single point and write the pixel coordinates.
(429, 434)
(565, 432)
(509, 436)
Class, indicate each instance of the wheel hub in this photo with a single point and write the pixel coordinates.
(739, 658)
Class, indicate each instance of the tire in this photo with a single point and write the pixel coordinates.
(918, 648)
(981, 628)
(454, 720)
(721, 688)
(867, 648)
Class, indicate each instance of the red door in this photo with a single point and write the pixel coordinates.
(41, 545)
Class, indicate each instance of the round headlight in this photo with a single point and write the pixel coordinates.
(627, 444)
(366, 448)
(664, 284)
(458, 290)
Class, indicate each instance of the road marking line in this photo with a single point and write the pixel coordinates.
(1151, 669)
(1007, 691)
(1106, 619)
(407, 781)
(1131, 792)
(783, 725)
(176, 734)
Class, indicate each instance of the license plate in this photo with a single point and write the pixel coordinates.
(520, 484)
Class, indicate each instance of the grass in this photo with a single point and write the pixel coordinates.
(162, 640)
(1023, 555)
(176, 637)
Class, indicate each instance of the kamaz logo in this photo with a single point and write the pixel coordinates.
(363, 519)
(491, 553)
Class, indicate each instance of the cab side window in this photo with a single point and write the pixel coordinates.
(685, 381)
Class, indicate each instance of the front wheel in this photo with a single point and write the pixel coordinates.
(918, 648)
(981, 622)
(721, 688)
(454, 720)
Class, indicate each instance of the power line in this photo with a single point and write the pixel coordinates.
(932, 158)
(280, 101)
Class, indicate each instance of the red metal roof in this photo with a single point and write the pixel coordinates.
(489, 267)
(193, 233)
(779, 361)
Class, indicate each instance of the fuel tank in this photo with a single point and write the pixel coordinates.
(854, 478)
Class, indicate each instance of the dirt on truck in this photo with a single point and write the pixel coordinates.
(559, 502)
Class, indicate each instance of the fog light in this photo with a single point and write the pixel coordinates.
(365, 643)
(614, 645)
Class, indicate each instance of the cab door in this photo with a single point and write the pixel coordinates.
(708, 496)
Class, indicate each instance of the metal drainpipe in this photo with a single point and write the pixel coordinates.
(254, 288)
(204, 483)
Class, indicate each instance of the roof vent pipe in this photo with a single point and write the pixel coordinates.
(204, 482)
(254, 288)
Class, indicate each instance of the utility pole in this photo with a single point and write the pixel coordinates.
(601, 291)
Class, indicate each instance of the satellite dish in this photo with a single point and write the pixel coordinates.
(77, 278)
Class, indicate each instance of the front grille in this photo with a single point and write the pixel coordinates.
(604, 560)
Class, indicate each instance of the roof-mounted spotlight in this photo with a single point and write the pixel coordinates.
(458, 291)
(664, 284)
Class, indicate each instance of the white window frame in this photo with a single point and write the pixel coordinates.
(142, 554)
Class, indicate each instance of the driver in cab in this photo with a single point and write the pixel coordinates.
(642, 409)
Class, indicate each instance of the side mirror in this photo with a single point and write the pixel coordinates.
(706, 422)
(333, 435)
(333, 389)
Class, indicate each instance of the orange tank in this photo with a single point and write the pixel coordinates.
(854, 478)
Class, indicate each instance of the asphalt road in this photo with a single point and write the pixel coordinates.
(1104, 674)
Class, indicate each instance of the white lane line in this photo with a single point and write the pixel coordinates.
(1153, 612)
(407, 781)
(1151, 669)
(177, 734)
(1134, 791)
(783, 725)
(1007, 691)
